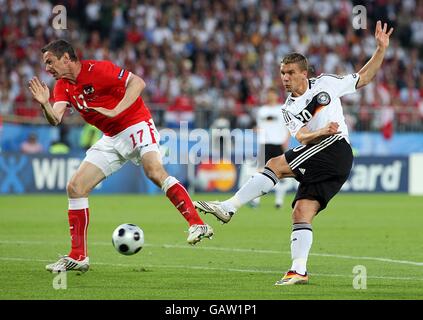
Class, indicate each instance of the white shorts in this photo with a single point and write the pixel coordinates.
(111, 153)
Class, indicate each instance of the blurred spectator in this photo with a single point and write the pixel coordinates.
(387, 122)
(181, 110)
(59, 147)
(31, 145)
(1, 130)
(221, 135)
(6, 102)
(89, 136)
(409, 94)
(226, 51)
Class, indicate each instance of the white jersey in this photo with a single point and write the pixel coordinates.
(320, 104)
(271, 125)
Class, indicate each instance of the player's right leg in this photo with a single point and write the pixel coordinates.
(177, 194)
(145, 151)
(247, 170)
(258, 185)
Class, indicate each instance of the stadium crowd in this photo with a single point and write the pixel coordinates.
(204, 60)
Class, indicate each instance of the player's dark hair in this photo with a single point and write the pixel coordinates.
(59, 48)
(297, 58)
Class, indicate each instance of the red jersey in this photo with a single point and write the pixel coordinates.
(101, 84)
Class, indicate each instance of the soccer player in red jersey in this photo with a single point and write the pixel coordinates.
(107, 97)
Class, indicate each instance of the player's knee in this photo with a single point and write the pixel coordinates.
(280, 167)
(277, 166)
(273, 165)
(298, 213)
(304, 211)
(76, 189)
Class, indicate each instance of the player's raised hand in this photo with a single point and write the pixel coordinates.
(382, 35)
(39, 90)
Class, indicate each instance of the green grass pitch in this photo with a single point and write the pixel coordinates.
(381, 232)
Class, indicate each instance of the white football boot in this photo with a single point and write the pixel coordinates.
(66, 263)
(199, 231)
(215, 208)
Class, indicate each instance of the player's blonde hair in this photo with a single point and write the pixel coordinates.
(296, 58)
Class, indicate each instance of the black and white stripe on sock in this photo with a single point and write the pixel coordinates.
(271, 175)
(301, 226)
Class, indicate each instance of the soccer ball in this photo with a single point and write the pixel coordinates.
(128, 239)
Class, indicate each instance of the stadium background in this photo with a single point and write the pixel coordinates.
(209, 64)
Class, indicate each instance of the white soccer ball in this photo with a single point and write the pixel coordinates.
(128, 239)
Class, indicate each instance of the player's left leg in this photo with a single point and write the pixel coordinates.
(80, 185)
(301, 241)
(177, 194)
(321, 175)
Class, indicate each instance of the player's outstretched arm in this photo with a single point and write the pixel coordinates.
(369, 70)
(133, 91)
(41, 94)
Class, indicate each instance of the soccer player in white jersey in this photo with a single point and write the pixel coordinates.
(273, 138)
(313, 114)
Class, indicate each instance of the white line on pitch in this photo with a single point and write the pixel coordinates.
(339, 256)
(213, 269)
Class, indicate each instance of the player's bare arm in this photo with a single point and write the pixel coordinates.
(41, 94)
(133, 90)
(305, 136)
(369, 70)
